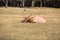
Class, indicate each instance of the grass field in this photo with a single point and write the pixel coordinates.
(11, 27)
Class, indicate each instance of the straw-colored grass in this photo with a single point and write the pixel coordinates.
(11, 27)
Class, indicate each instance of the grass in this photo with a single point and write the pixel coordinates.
(11, 27)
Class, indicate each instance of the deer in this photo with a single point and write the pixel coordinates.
(34, 19)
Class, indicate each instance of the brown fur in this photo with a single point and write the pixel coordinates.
(34, 19)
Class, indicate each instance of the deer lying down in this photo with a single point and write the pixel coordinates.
(34, 19)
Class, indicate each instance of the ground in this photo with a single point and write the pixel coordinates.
(11, 27)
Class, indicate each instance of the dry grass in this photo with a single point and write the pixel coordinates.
(11, 27)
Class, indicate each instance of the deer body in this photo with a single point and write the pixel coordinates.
(35, 19)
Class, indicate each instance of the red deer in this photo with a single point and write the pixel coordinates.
(34, 19)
